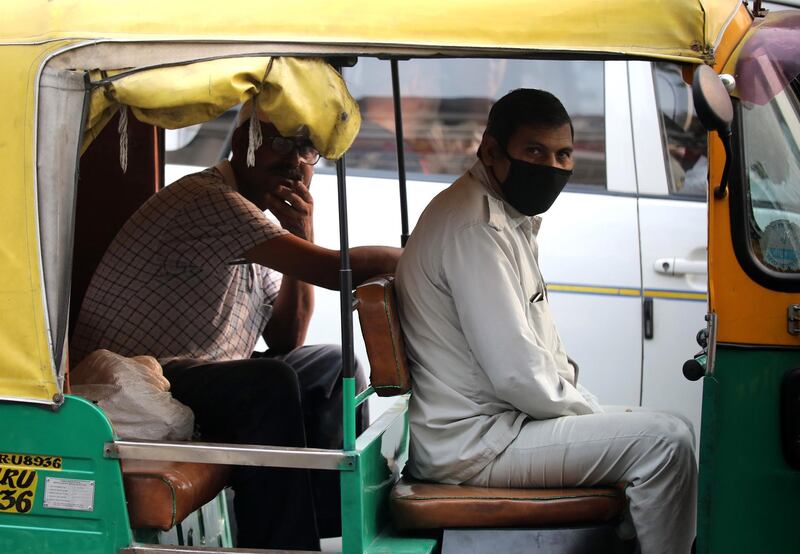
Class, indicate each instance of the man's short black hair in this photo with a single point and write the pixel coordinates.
(525, 106)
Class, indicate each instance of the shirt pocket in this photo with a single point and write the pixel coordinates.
(540, 321)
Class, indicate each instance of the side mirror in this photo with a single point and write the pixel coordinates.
(715, 111)
(711, 101)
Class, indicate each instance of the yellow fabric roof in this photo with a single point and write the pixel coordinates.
(684, 30)
(296, 94)
(31, 30)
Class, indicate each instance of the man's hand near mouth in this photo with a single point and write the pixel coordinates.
(293, 205)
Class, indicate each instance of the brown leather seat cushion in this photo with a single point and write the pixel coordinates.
(380, 326)
(418, 505)
(162, 494)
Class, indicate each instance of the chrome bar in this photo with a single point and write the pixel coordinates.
(231, 454)
(169, 549)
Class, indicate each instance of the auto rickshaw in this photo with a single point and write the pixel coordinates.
(89, 88)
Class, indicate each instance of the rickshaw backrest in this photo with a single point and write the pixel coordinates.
(380, 325)
(108, 196)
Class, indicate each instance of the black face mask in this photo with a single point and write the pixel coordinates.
(532, 188)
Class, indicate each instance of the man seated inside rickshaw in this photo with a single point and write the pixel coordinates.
(495, 398)
(194, 278)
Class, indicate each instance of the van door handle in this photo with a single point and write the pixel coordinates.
(680, 266)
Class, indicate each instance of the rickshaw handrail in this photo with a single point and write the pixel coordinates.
(363, 395)
(382, 424)
(231, 454)
(169, 549)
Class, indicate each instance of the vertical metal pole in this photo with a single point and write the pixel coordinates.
(346, 307)
(401, 158)
(346, 310)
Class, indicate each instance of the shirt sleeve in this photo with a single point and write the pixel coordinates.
(483, 279)
(221, 225)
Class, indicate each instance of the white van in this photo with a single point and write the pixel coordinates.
(623, 248)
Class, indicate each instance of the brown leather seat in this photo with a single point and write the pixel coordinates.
(161, 494)
(380, 326)
(418, 505)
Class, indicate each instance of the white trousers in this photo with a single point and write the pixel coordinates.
(651, 451)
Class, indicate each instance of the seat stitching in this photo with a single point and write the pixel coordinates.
(386, 292)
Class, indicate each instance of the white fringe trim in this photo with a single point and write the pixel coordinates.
(254, 136)
(122, 128)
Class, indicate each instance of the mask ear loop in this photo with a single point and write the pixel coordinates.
(254, 137)
(508, 157)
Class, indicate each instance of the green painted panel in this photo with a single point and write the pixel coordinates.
(76, 433)
(365, 494)
(365, 491)
(352, 487)
(749, 497)
(392, 542)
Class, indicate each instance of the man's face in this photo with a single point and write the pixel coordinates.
(272, 169)
(533, 144)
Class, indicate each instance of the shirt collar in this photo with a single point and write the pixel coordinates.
(228, 176)
(501, 211)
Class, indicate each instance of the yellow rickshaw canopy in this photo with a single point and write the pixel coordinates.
(297, 95)
(682, 30)
(178, 62)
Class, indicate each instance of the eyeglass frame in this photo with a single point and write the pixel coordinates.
(275, 140)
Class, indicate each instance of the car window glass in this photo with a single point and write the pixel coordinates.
(684, 138)
(445, 103)
(200, 145)
(772, 161)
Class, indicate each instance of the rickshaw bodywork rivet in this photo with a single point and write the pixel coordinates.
(729, 81)
(58, 401)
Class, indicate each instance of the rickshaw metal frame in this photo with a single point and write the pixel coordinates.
(230, 454)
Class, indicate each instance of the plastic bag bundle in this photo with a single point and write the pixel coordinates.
(134, 394)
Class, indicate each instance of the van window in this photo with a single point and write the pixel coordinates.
(445, 103)
(200, 145)
(684, 138)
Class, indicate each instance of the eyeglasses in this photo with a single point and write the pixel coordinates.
(284, 146)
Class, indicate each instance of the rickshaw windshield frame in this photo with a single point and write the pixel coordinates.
(743, 224)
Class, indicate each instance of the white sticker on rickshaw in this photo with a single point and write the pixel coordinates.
(69, 494)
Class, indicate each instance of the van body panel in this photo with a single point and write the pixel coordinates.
(620, 169)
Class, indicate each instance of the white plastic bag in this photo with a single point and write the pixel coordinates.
(134, 394)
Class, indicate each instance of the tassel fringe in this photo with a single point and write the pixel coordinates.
(254, 136)
(122, 128)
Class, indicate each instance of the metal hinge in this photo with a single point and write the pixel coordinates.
(793, 319)
(711, 337)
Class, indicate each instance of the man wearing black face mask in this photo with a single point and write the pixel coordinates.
(496, 401)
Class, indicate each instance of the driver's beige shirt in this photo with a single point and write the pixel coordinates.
(484, 352)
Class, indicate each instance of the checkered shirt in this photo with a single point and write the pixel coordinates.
(173, 283)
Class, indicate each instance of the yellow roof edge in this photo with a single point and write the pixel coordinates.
(639, 28)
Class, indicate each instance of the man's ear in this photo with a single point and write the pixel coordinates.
(239, 140)
(489, 150)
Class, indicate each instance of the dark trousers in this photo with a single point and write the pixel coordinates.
(293, 399)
